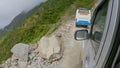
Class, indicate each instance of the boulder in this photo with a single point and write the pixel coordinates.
(48, 46)
(21, 51)
(54, 46)
(43, 47)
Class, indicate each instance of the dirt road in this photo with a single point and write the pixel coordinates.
(72, 49)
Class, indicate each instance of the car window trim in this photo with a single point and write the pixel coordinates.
(116, 48)
(93, 19)
(111, 35)
(109, 13)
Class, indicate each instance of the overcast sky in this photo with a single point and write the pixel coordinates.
(10, 8)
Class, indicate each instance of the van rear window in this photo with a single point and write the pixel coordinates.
(84, 12)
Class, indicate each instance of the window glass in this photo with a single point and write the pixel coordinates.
(99, 25)
(84, 12)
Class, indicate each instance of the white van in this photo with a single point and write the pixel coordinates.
(83, 17)
(102, 43)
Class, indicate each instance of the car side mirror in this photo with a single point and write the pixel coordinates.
(97, 36)
(81, 35)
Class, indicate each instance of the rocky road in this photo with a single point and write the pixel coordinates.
(72, 56)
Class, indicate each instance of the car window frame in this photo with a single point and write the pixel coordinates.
(96, 58)
(115, 49)
(110, 38)
(96, 43)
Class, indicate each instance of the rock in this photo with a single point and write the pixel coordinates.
(14, 61)
(55, 57)
(48, 46)
(6, 66)
(43, 47)
(34, 64)
(29, 62)
(32, 55)
(13, 66)
(54, 46)
(14, 58)
(21, 51)
(35, 58)
(8, 61)
(29, 66)
(33, 47)
(59, 35)
(22, 64)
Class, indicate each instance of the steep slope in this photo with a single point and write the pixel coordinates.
(38, 24)
(17, 22)
(2, 33)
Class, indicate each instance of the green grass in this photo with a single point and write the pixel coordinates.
(84, 3)
(38, 24)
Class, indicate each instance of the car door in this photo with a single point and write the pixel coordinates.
(98, 45)
(98, 33)
(103, 23)
(93, 46)
(111, 37)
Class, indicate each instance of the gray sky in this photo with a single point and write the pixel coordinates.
(10, 8)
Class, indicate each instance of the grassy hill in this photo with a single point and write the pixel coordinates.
(16, 22)
(38, 24)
